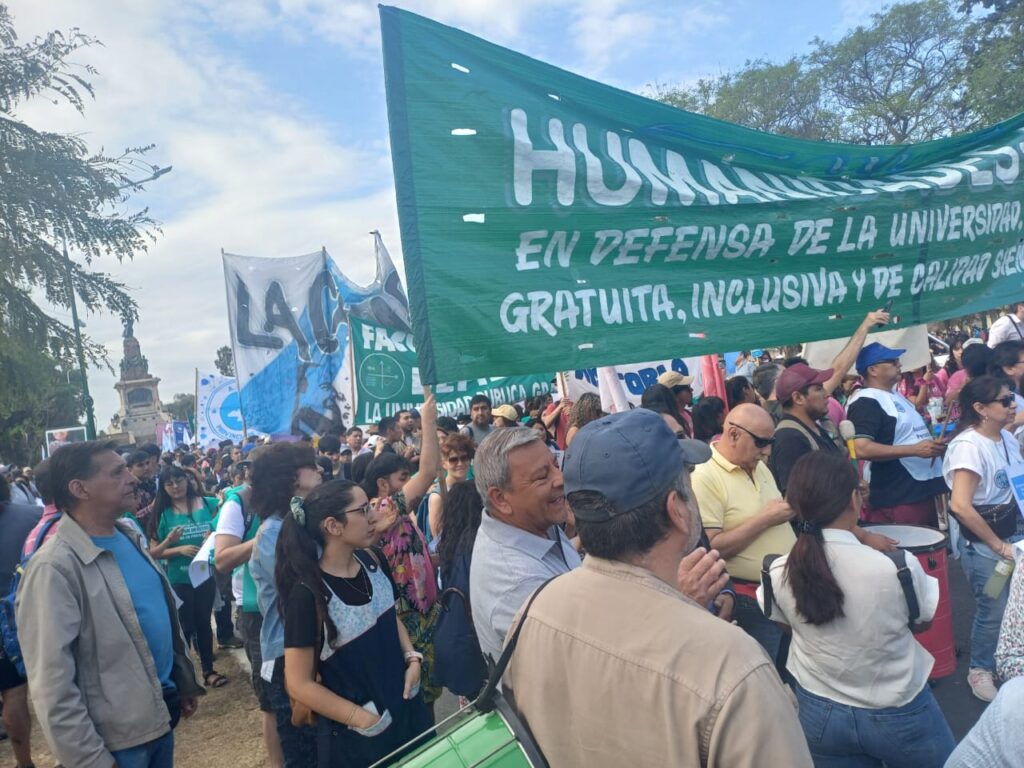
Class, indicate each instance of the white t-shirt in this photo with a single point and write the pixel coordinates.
(987, 459)
(1006, 328)
(232, 523)
(867, 657)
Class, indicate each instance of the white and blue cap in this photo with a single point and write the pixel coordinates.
(629, 458)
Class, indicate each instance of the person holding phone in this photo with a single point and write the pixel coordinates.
(348, 657)
(180, 508)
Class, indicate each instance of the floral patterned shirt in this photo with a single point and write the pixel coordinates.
(407, 554)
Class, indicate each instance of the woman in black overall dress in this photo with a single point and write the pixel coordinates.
(341, 605)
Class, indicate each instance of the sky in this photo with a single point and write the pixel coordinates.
(272, 114)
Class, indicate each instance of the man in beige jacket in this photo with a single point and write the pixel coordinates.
(614, 665)
(107, 664)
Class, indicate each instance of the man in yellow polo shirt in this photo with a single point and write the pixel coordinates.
(744, 514)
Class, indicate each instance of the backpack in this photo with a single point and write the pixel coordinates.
(9, 645)
(458, 661)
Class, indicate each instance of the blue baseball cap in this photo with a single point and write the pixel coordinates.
(629, 458)
(875, 353)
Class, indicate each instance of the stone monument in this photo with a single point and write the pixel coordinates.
(140, 410)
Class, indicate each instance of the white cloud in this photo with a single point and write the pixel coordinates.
(855, 13)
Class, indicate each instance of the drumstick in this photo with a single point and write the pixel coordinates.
(942, 434)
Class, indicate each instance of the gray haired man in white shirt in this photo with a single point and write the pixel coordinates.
(520, 544)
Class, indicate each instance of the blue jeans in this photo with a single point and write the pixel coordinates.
(978, 562)
(751, 619)
(298, 744)
(915, 735)
(158, 753)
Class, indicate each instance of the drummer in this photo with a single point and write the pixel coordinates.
(861, 678)
(892, 436)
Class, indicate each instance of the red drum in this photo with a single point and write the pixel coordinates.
(929, 546)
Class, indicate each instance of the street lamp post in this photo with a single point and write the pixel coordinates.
(90, 414)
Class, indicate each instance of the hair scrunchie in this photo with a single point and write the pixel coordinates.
(298, 510)
(809, 527)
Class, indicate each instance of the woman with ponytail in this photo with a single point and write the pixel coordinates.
(348, 657)
(861, 678)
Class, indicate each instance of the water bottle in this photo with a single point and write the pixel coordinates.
(997, 581)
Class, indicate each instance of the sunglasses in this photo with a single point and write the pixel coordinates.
(461, 459)
(759, 442)
(1006, 402)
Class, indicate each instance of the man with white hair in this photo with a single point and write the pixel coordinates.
(520, 544)
(615, 664)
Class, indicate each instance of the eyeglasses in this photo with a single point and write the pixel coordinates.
(1006, 402)
(461, 459)
(759, 442)
(364, 510)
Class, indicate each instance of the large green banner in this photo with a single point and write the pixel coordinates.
(387, 379)
(550, 222)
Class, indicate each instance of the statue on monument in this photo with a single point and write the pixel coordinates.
(134, 365)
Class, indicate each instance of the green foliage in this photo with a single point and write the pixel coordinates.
(917, 71)
(36, 393)
(225, 361)
(995, 69)
(53, 192)
(899, 80)
(776, 98)
(183, 407)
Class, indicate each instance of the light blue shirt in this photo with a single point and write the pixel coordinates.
(146, 588)
(261, 568)
(508, 565)
(997, 739)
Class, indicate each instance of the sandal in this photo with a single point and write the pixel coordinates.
(214, 679)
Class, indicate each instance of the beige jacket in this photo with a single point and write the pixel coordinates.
(616, 668)
(93, 680)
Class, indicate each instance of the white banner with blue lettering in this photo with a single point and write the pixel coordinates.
(289, 334)
(218, 413)
(632, 380)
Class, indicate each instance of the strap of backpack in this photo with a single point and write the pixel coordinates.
(485, 701)
(899, 559)
(798, 427)
(41, 536)
(766, 584)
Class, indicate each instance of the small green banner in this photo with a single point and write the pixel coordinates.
(387, 379)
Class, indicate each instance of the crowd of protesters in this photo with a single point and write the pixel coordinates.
(716, 596)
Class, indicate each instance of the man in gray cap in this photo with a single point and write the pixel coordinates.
(673, 685)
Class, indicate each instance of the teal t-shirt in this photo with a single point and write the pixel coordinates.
(197, 527)
(148, 598)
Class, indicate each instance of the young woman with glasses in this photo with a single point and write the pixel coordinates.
(180, 507)
(348, 656)
(977, 467)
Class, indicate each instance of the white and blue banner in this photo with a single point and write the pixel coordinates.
(622, 386)
(218, 411)
(289, 332)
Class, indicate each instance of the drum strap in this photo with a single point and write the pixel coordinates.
(485, 701)
(899, 559)
(766, 584)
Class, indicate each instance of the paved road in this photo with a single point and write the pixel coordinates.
(961, 708)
